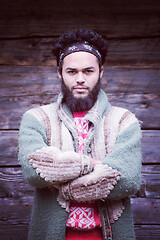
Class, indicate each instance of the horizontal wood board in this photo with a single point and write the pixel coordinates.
(146, 109)
(121, 52)
(51, 18)
(24, 87)
(28, 30)
(9, 147)
(14, 186)
(34, 80)
(15, 215)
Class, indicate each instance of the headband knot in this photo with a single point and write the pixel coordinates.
(80, 47)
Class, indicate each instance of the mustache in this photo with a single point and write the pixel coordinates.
(80, 86)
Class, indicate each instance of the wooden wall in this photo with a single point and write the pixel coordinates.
(28, 79)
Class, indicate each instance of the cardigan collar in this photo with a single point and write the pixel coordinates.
(94, 115)
(100, 108)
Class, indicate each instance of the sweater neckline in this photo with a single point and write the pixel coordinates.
(79, 114)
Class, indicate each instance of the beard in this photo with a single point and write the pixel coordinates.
(80, 104)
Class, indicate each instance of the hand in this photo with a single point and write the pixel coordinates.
(93, 186)
(56, 166)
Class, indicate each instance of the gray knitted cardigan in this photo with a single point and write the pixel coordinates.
(114, 138)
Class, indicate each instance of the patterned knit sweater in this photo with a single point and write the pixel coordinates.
(82, 216)
(113, 140)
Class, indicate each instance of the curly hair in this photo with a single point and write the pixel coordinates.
(79, 36)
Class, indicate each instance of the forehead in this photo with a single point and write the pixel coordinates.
(80, 60)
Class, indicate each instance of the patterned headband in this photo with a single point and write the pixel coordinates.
(80, 47)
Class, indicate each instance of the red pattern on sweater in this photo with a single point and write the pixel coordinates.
(83, 216)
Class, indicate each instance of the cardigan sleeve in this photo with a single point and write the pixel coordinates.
(46, 165)
(124, 158)
(32, 136)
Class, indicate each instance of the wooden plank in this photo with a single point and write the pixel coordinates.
(134, 52)
(28, 80)
(145, 106)
(15, 213)
(8, 148)
(131, 79)
(147, 232)
(42, 83)
(14, 232)
(150, 146)
(14, 186)
(115, 19)
(9, 145)
(121, 52)
(14, 219)
(150, 181)
(146, 211)
(19, 232)
(21, 81)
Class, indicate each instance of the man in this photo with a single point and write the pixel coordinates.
(81, 154)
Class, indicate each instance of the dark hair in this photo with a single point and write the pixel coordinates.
(80, 35)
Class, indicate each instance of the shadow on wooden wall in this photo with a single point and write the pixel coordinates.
(28, 79)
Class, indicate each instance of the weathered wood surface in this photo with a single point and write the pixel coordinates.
(50, 18)
(15, 215)
(121, 52)
(150, 182)
(34, 80)
(14, 186)
(146, 211)
(24, 87)
(19, 231)
(147, 232)
(9, 145)
(145, 106)
(28, 30)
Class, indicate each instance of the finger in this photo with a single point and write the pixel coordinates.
(118, 178)
(41, 157)
(33, 156)
(43, 163)
(33, 163)
(42, 175)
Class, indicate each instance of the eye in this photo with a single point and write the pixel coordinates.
(71, 72)
(88, 71)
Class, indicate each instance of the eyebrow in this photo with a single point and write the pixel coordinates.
(74, 69)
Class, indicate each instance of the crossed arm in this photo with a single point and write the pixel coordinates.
(116, 177)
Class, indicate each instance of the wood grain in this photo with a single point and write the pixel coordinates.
(146, 211)
(121, 52)
(51, 18)
(9, 148)
(19, 231)
(27, 86)
(150, 182)
(145, 106)
(14, 186)
(147, 232)
(16, 214)
(28, 78)
(34, 80)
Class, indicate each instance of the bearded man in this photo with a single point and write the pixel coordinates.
(81, 154)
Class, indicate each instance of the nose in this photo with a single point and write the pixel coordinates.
(80, 78)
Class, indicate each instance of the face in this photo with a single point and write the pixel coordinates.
(80, 73)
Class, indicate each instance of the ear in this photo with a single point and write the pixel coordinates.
(59, 74)
(101, 72)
